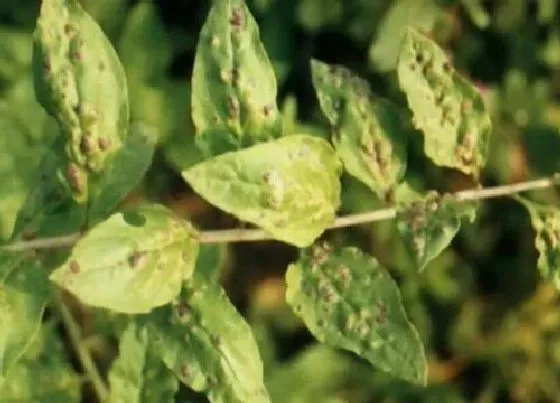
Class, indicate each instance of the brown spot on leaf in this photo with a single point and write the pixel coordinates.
(103, 143)
(135, 259)
(215, 340)
(87, 144)
(185, 371)
(233, 107)
(236, 18)
(74, 267)
(74, 179)
(47, 67)
(267, 109)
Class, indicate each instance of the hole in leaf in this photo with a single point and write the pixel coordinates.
(134, 218)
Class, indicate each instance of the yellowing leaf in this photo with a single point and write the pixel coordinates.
(367, 133)
(447, 108)
(545, 220)
(428, 223)
(289, 187)
(132, 262)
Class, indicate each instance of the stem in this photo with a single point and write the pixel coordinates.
(44, 243)
(84, 356)
(248, 235)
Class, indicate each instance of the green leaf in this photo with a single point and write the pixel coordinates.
(446, 107)
(146, 52)
(136, 375)
(36, 381)
(348, 300)
(233, 83)
(420, 14)
(80, 81)
(47, 211)
(207, 344)
(428, 223)
(545, 220)
(124, 171)
(144, 46)
(132, 262)
(24, 291)
(314, 375)
(211, 259)
(15, 54)
(367, 133)
(289, 187)
(44, 373)
(21, 154)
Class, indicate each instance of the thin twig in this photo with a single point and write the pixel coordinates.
(74, 333)
(504, 190)
(57, 242)
(251, 235)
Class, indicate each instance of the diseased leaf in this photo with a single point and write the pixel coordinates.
(207, 344)
(445, 107)
(289, 187)
(132, 262)
(545, 220)
(233, 83)
(136, 375)
(428, 223)
(80, 81)
(348, 300)
(24, 292)
(124, 171)
(367, 133)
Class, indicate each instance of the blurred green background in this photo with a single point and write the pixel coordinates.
(491, 327)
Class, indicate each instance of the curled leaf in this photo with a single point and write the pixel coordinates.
(132, 262)
(207, 344)
(545, 220)
(367, 133)
(80, 81)
(289, 187)
(348, 300)
(428, 223)
(447, 108)
(233, 82)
